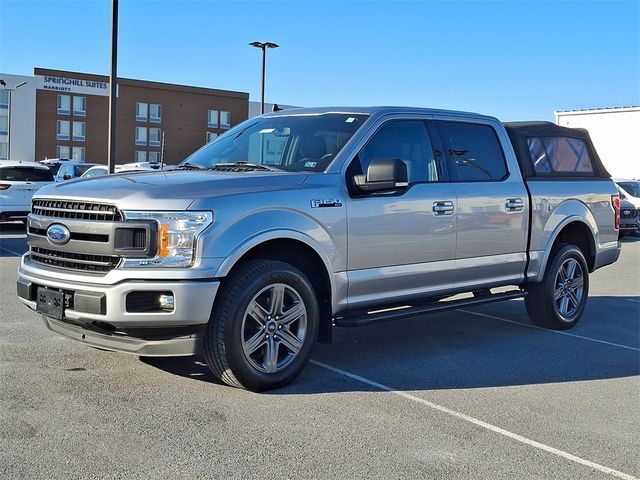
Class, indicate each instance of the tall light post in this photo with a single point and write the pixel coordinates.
(263, 46)
(113, 90)
(10, 90)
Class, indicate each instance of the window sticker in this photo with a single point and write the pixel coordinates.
(350, 119)
(310, 164)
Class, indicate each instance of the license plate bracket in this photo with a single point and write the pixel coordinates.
(50, 302)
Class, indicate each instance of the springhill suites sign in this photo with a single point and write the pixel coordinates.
(72, 85)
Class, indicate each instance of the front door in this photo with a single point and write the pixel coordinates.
(402, 245)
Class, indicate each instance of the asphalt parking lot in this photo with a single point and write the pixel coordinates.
(478, 393)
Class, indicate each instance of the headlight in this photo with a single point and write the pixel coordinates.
(177, 235)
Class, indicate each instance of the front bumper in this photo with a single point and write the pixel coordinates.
(98, 314)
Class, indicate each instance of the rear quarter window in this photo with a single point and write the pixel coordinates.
(26, 174)
(560, 155)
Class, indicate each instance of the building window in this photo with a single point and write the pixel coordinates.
(154, 157)
(4, 98)
(141, 135)
(213, 119)
(64, 104)
(63, 129)
(154, 137)
(63, 151)
(78, 131)
(4, 121)
(155, 113)
(141, 156)
(77, 153)
(211, 136)
(80, 106)
(142, 112)
(225, 119)
(4, 154)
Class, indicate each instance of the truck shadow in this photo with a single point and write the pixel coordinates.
(459, 349)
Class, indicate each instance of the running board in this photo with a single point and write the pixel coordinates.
(362, 319)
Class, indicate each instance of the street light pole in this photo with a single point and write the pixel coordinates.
(10, 90)
(263, 46)
(113, 88)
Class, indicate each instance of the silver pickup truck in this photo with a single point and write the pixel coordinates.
(301, 220)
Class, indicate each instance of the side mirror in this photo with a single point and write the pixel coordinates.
(383, 175)
(67, 177)
(622, 196)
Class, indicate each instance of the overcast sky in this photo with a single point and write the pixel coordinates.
(511, 59)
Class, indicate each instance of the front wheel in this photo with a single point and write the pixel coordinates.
(263, 327)
(560, 299)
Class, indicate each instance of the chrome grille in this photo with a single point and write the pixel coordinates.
(99, 212)
(74, 261)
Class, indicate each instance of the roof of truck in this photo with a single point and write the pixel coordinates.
(370, 111)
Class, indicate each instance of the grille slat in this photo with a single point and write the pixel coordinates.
(74, 261)
(99, 212)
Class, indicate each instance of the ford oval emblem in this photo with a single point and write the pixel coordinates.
(58, 234)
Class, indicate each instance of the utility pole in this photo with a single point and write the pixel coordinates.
(113, 87)
(162, 152)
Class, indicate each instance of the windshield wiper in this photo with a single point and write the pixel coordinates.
(190, 166)
(238, 166)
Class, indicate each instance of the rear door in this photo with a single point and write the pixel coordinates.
(492, 202)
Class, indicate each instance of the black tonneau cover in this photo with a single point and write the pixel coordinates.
(519, 132)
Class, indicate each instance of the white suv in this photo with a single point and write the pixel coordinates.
(18, 182)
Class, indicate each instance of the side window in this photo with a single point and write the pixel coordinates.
(559, 155)
(64, 170)
(407, 140)
(474, 152)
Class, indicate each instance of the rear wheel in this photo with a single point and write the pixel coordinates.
(559, 300)
(263, 327)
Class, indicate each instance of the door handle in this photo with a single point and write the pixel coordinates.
(515, 205)
(442, 208)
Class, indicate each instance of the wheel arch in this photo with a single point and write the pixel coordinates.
(573, 230)
(300, 251)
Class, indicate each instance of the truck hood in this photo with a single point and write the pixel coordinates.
(169, 190)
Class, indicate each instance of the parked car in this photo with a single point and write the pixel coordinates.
(71, 170)
(630, 190)
(18, 182)
(54, 164)
(301, 220)
(101, 170)
(629, 219)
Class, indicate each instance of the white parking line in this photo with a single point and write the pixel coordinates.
(479, 423)
(559, 332)
(12, 252)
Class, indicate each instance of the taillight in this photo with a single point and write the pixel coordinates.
(4, 186)
(615, 201)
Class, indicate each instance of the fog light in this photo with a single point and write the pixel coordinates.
(166, 301)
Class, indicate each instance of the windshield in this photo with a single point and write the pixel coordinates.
(290, 143)
(632, 188)
(26, 174)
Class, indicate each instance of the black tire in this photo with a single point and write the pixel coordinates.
(542, 306)
(227, 331)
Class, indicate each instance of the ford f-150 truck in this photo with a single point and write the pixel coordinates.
(303, 220)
